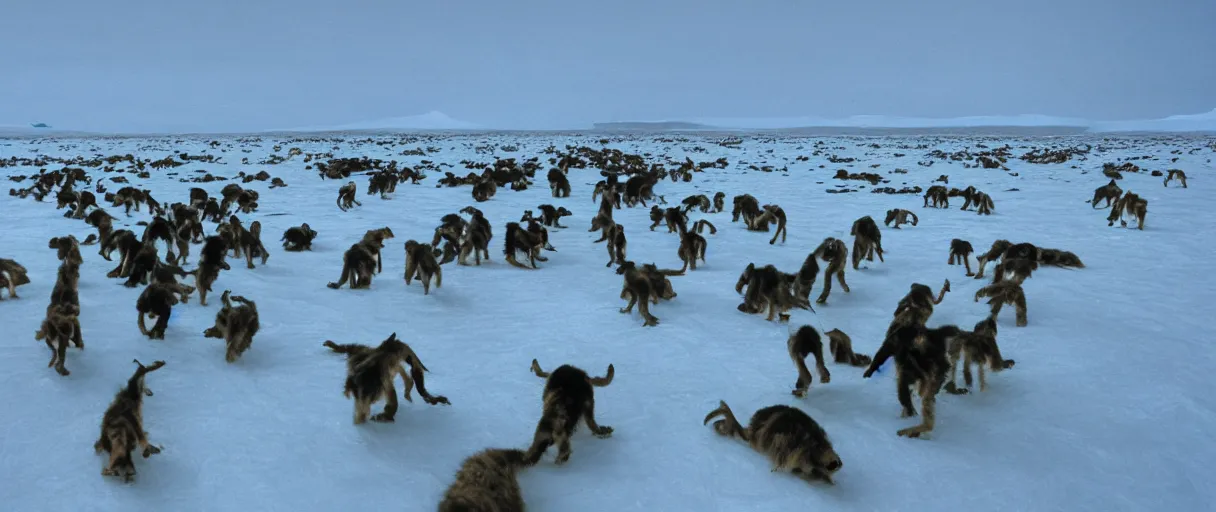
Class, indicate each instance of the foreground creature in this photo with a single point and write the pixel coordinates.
(921, 362)
(12, 275)
(841, 346)
(959, 251)
(977, 347)
(420, 262)
(370, 372)
(569, 398)
(486, 482)
(298, 238)
(122, 426)
(791, 439)
(235, 325)
(806, 341)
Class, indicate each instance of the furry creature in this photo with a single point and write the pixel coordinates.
(298, 238)
(122, 426)
(938, 195)
(959, 252)
(771, 288)
(420, 262)
(346, 196)
(370, 372)
(60, 328)
(867, 240)
(977, 347)
(1130, 204)
(211, 261)
(12, 275)
(568, 399)
(899, 216)
(806, 341)
(792, 440)
(841, 346)
(1170, 175)
(835, 254)
(1002, 293)
(771, 214)
(746, 207)
(487, 482)
(236, 325)
(156, 301)
(644, 287)
(1110, 192)
(920, 363)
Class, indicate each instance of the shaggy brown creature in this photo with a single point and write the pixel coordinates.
(641, 288)
(1014, 269)
(568, 399)
(122, 426)
(959, 252)
(746, 207)
(899, 216)
(487, 482)
(921, 362)
(156, 301)
(12, 275)
(211, 261)
(235, 325)
(346, 196)
(867, 240)
(835, 254)
(791, 439)
(841, 346)
(806, 341)
(518, 240)
(420, 262)
(298, 238)
(1130, 204)
(617, 243)
(559, 184)
(59, 329)
(977, 347)
(1002, 293)
(938, 195)
(551, 216)
(772, 214)
(250, 242)
(768, 287)
(1175, 174)
(1110, 192)
(692, 246)
(370, 372)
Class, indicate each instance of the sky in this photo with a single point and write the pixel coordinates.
(237, 65)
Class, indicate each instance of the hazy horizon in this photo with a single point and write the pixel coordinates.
(124, 65)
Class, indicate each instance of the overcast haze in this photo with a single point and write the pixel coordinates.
(124, 65)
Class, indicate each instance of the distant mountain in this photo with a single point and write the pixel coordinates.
(433, 120)
(1179, 123)
(1205, 122)
(35, 130)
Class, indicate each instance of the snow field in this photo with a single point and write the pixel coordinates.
(1108, 407)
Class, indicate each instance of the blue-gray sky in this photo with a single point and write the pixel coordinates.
(260, 64)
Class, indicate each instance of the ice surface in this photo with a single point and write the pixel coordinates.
(1110, 407)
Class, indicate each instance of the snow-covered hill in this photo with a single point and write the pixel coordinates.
(1205, 122)
(1110, 406)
